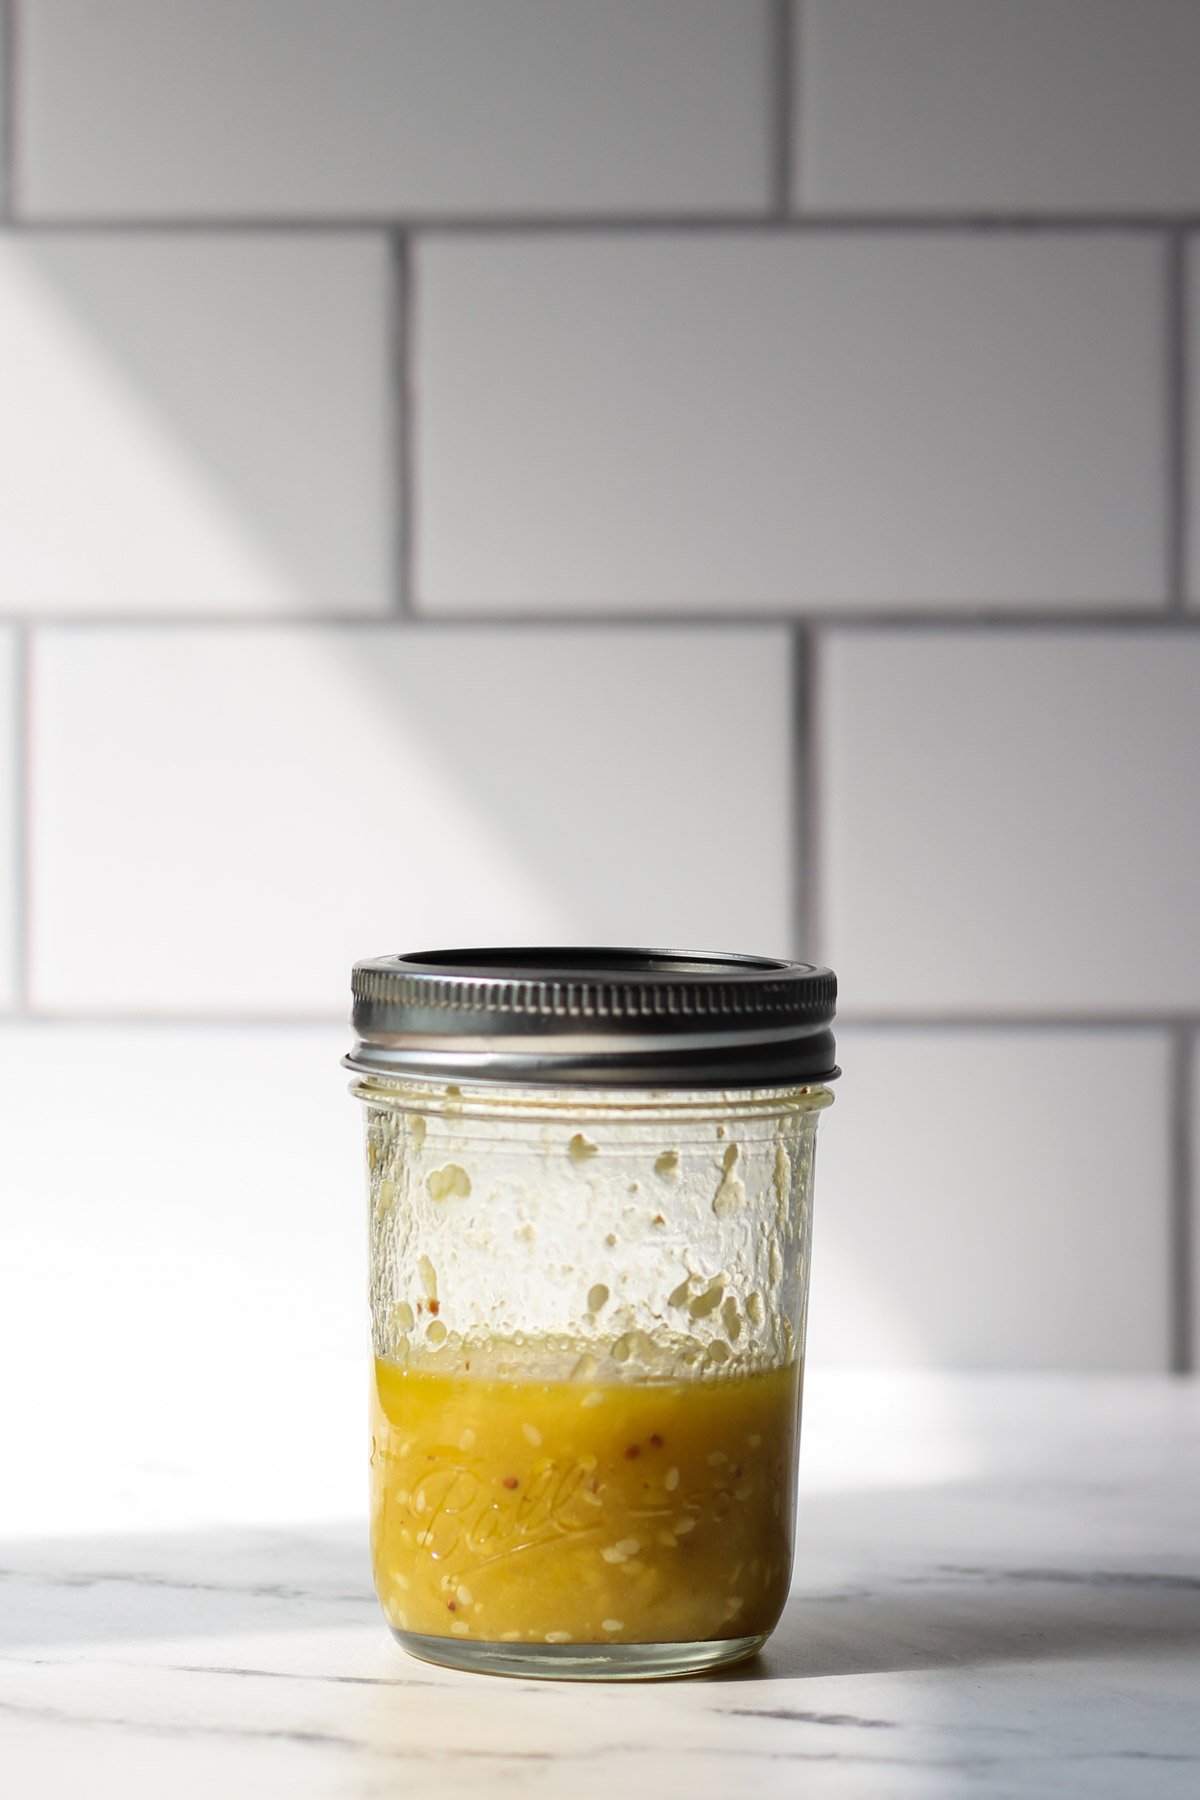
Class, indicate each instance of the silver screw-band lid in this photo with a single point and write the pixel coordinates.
(595, 1017)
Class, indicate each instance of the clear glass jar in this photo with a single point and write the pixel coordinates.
(588, 1308)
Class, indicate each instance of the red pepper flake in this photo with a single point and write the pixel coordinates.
(452, 1606)
(633, 1450)
(510, 1481)
(435, 1307)
(656, 1440)
(658, 1219)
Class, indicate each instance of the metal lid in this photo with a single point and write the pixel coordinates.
(595, 1018)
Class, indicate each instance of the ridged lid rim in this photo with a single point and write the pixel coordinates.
(580, 1015)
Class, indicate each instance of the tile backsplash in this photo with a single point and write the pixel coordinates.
(777, 419)
(710, 471)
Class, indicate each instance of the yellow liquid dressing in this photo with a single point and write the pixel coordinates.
(523, 1511)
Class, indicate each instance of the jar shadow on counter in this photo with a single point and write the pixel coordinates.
(971, 1617)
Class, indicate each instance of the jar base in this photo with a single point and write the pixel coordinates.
(580, 1662)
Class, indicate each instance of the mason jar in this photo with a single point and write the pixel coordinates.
(590, 1177)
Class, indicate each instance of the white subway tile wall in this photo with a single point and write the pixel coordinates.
(1011, 821)
(670, 423)
(223, 820)
(196, 422)
(1190, 432)
(5, 88)
(698, 470)
(301, 109)
(998, 106)
(179, 1188)
(1020, 1181)
(1186, 1247)
(10, 812)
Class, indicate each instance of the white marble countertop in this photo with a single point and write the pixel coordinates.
(997, 1592)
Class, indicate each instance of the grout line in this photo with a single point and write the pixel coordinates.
(22, 815)
(1177, 421)
(400, 310)
(798, 910)
(1150, 622)
(1182, 1219)
(814, 816)
(382, 621)
(805, 806)
(781, 102)
(584, 224)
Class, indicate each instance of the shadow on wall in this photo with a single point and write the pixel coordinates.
(204, 422)
(199, 439)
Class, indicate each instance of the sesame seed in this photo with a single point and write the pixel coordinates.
(531, 1434)
(460, 1628)
(612, 1553)
(558, 1637)
(467, 1439)
(683, 1526)
(463, 1594)
(743, 1491)
(628, 1546)
(716, 1458)
(612, 1625)
(671, 1480)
